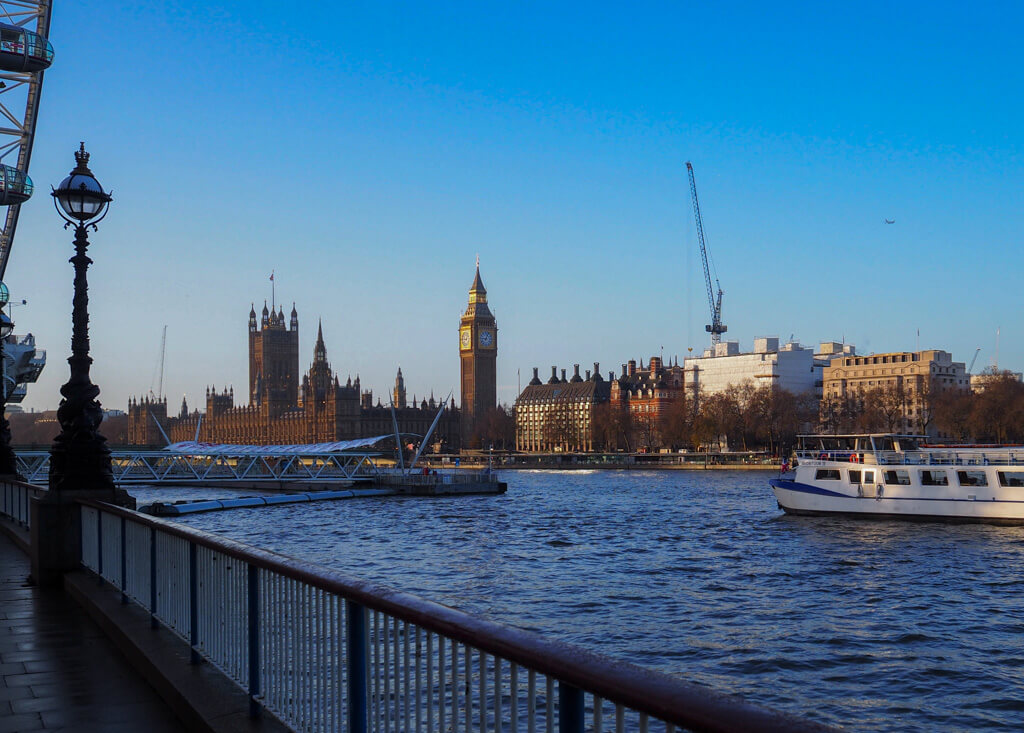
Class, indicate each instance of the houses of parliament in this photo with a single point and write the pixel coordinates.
(321, 409)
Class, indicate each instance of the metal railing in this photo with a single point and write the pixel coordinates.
(324, 651)
(924, 457)
(155, 466)
(14, 500)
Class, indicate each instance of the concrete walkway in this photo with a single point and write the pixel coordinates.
(57, 669)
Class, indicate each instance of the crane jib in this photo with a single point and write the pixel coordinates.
(715, 328)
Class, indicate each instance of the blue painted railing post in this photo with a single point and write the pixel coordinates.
(99, 545)
(253, 589)
(193, 604)
(570, 708)
(152, 578)
(124, 562)
(357, 662)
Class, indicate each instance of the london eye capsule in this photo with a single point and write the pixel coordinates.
(15, 186)
(23, 50)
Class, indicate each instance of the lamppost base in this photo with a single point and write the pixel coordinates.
(56, 528)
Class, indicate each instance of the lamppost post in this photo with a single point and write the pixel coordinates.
(79, 458)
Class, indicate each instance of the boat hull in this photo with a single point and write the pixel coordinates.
(799, 498)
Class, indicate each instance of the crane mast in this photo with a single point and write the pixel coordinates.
(163, 355)
(716, 328)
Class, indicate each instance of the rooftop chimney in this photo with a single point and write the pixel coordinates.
(632, 367)
(554, 375)
(563, 380)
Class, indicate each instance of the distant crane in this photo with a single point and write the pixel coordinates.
(163, 352)
(971, 367)
(716, 328)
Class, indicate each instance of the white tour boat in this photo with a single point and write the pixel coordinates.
(902, 477)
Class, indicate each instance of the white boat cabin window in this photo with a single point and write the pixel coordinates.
(827, 474)
(906, 443)
(934, 478)
(885, 442)
(869, 477)
(897, 477)
(972, 478)
(1011, 478)
(854, 476)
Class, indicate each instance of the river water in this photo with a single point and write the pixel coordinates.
(875, 625)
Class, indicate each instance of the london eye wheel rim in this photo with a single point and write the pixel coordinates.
(32, 17)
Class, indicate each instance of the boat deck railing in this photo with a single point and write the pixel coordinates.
(924, 457)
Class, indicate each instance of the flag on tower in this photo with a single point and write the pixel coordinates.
(271, 276)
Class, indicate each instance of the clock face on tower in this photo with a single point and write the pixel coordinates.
(466, 338)
(486, 338)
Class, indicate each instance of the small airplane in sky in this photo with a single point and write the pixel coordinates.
(890, 221)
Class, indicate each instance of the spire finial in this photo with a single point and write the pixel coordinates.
(82, 160)
(478, 261)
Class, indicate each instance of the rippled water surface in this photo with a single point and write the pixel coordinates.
(869, 624)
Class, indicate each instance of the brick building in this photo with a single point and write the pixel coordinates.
(647, 395)
(282, 410)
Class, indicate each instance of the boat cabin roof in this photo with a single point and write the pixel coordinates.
(861, 442)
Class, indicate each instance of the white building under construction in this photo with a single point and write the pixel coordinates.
(790, 366)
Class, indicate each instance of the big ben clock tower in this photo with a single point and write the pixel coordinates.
(478, 352)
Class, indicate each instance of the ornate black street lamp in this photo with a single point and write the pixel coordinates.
(79, 457)
(8, 463)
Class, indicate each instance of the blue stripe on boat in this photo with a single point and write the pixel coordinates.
(784, 483)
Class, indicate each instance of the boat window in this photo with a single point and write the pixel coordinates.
(854, 476)
(864, 444)
(896, 477)
(972, 478)
(827, 474)
(934, 478)
(907, 444)
(869, 477)
(884, 443)
(1011, 478)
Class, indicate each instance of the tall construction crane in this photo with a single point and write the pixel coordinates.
(163, 354)
(716, 328)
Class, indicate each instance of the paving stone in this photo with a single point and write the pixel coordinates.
(57, 669)
(38, 704)
(20, 655)
(15, 693)
(18, 723)
(27, 678)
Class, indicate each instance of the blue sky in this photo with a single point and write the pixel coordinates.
(367, 152)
